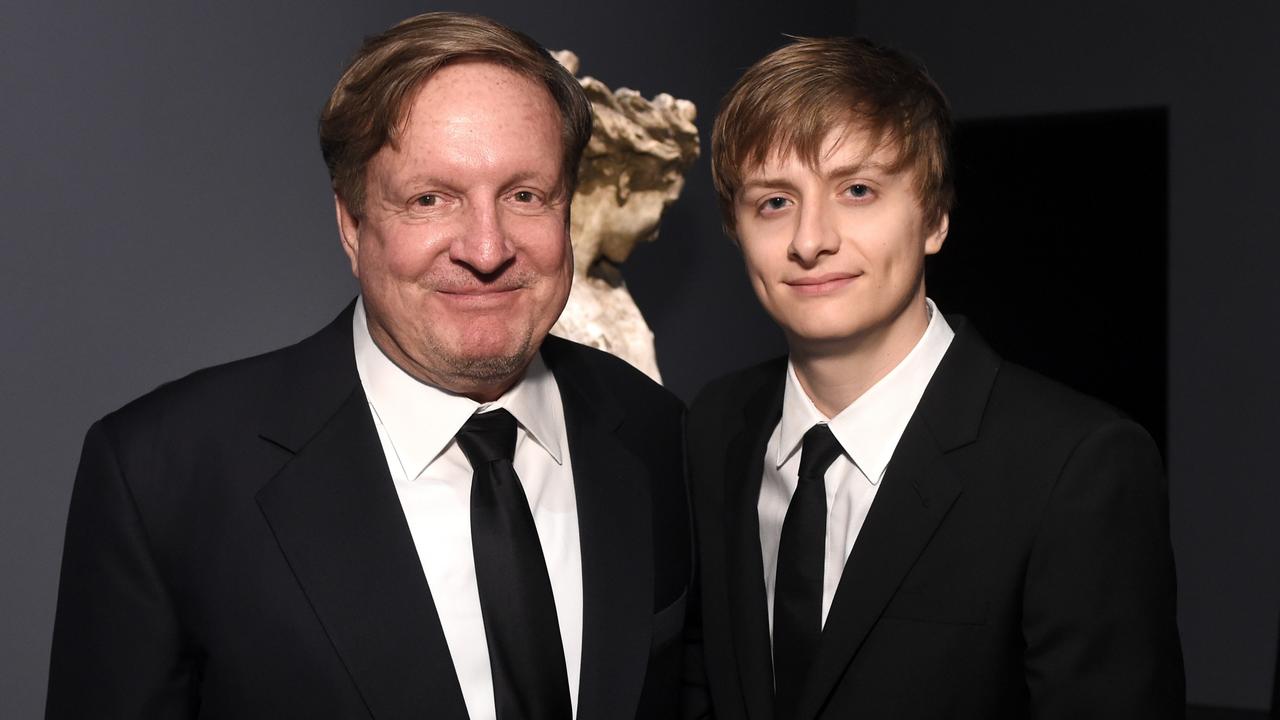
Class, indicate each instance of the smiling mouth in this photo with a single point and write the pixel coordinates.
(481, 298)
(821, 284)
(478, 292)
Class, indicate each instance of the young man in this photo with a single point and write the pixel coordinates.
(893, 521)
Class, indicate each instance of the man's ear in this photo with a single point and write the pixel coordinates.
(349, 231)
(933, 242)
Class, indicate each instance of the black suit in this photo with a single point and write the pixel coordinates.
(236, 549)
(1015, 563)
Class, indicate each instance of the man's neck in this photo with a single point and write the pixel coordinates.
(836, 374)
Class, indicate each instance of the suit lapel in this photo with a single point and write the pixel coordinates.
(747, 601)
(337, 518)
(918, 489)
(615, 527)
(917, 492)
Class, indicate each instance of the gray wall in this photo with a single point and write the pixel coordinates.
(165, 207)
(1217, 68)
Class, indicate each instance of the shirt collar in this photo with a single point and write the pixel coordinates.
(869, 429)
(421, 419)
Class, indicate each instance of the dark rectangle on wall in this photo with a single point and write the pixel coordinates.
(1058, 250)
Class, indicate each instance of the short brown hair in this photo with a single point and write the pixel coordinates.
(794, 96)
(368, 104)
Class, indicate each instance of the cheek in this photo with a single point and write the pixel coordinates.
(762, 278)
(548, 251)
(890, 245)
(406, 252)
(764, 258)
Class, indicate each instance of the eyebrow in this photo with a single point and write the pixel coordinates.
(418, 180)
(526, 176)
(766, 183)
(859, 167)
(837, 172)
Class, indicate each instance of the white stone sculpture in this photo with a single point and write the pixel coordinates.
(633, 168)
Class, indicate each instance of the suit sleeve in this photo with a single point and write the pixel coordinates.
(1099, 600)
(117, 646)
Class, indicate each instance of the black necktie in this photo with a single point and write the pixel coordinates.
(529, 677)
(797, 594)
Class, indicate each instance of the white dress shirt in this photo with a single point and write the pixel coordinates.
(417, 423)
(868, 431)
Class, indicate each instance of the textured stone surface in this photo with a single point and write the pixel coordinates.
(632, 169)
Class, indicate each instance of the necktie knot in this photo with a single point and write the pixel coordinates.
(489, 436)
(819, 450)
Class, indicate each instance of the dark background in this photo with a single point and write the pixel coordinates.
(1076, 290)
(164, 207)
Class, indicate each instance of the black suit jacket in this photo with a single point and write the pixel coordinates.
(236, 549)
(1015, 563)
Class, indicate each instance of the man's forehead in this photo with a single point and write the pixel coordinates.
(842, 148)
(458, 78)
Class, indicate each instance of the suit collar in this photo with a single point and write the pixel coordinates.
(337, 519)
(870, 427)
(319, 373)
(918, 490)
(956, 397)
(581, 381)
(615, 527)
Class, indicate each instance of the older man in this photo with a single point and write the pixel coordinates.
(424, 510)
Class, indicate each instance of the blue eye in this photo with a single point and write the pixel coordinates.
(858, 190)
(775, 203)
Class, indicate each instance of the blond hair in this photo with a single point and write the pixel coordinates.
(793, 97)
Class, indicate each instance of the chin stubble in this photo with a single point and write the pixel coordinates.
(491, 369)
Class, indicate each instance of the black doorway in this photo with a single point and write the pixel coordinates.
(1058, 250)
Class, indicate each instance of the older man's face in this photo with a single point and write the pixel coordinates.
(463, 252)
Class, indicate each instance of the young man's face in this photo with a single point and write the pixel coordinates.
(836, 252)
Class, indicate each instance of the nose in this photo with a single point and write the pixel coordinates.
(481, 242)
(815, 235)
